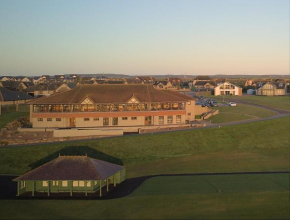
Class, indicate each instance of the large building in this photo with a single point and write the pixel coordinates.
(113, 105)
(70, 174)
(227, 88)
(271, 89)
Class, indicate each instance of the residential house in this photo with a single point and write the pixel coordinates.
(227, 88)
(271, 89)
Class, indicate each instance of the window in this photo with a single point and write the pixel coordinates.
(58, 119)
(88, 183)
(40, 119)
(55, 183)
(96, 119)
(189, 103)
(178, 118)
(169, 119)
(124, 118)
(105, 121)
(75, 183)
(22, 184)
(81, 183)
(64, 183)
(95, 182)
(115, 121)
(189, 113)
(161, 120)
(44, 183)
(133, 118)
(49, 119)
(86, 119)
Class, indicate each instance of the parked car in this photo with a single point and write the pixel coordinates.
(201, 97)
(232, 104)
(214, 104)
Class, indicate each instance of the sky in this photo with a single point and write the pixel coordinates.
(144, 37)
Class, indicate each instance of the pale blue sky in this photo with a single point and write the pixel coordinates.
(144, 37)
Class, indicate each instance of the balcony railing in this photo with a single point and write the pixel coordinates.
(110, 107)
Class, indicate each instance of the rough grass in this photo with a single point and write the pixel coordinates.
(270, 134)
(8, 117)
(240, 112)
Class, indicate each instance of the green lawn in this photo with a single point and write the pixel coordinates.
(253, 138)
(240, 112)
(8, 117)
(258, 146)
(187, 197)
(280, 102)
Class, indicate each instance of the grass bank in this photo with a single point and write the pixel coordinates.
(254, 138)
(8, 117)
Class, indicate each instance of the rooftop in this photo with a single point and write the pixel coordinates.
(113, 94)
(72, 168)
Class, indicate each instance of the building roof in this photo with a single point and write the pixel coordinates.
(112, 94)
(7, 95)
(72, 168)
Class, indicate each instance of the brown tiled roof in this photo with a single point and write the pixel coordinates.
(72, 168)
(112, 94)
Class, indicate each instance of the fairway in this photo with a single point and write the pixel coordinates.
(235, 183)
(279, 102)
(239, 113)
(245, 196)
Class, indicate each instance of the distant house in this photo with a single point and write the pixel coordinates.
(46, 89)
(204, 85)
(227, 88)
(22, 79)
(8, 97)
(163, 85)
(4, 78)
(16, 85)
(146, 79)
(271, 89)
(69, 175)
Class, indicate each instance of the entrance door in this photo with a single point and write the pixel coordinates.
(72, 122)
(148, 120)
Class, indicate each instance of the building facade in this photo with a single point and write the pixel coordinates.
(271, 89)
(112, 105)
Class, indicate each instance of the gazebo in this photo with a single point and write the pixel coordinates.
(69, 174)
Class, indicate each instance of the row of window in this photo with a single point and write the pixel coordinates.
(97, 118)
(49, 119)
(115, 120)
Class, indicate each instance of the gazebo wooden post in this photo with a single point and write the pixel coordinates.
(100, 188)
(107, 181)
(18, 188)
(114, 180)
(71, 187)
(33, 188)
(48, 186)
(86, 193)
